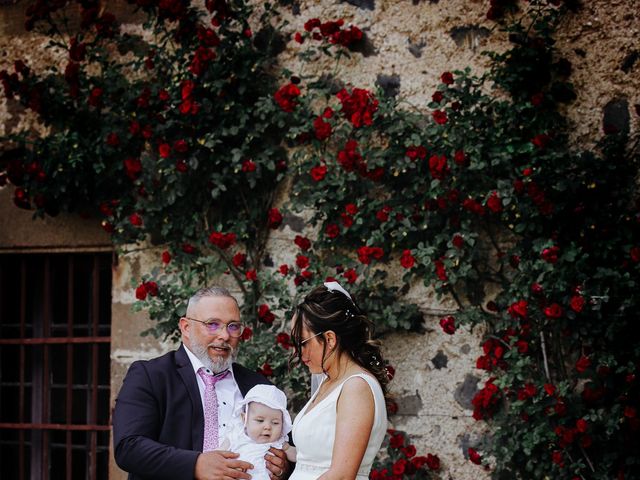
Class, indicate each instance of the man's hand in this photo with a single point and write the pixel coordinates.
(277, 464)
(220, 464)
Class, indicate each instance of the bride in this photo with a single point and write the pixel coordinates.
(339, 431)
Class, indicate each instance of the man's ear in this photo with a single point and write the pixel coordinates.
(183, 323)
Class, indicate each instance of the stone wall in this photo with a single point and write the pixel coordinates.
(409, 44)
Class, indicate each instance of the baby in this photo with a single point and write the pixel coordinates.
(261, 422)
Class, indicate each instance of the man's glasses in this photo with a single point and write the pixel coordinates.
(234, 328)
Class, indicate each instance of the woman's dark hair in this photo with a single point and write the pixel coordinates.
(323, 310)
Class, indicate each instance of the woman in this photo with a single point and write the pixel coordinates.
(339, 431)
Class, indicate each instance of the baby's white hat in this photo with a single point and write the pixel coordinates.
(272, 397)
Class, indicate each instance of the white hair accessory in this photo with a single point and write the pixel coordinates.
(335, 286)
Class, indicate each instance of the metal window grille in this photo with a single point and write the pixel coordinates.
(55, 327)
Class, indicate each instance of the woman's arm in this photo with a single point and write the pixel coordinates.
(354, 421)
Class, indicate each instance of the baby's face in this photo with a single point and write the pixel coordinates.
(264, 424)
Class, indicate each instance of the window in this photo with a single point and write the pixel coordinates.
(55, 327)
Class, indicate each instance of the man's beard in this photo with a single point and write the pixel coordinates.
(219, 364)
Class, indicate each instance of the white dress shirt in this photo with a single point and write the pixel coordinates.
(227, 391)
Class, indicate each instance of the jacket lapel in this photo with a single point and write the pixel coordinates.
(241, 379)
(185, 370)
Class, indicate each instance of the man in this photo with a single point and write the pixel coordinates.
(159, 417)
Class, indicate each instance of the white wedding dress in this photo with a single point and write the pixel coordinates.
(314, 433)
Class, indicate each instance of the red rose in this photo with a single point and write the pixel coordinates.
(350, 275)
(448, 324)
(447, 78)
(266, 370)
(152, 288)
(133, 167)
(274, 218)
(494, 203)
(181, 146)
(322, 129)
(537, 99)
(302, 242)
(629, 412)
(247, 333)
(399, 467)
(553, 311)
(522, 346)
(135, 220)
(311, 24)
(438, 166)
(248, 166)
(635, 254)
(351, 209)
(407, 260)
(396, 440)
(416, 152)
(141, 292)
(239, 259)
(577, 303)
(347, 220)
(166, 257)
(95, 97)
(457, 241)
(474, 456)
(113, 140)
(433, 462)
(537, 289)
(182, 166)
(302, 261)
(358, 107)
(441, 271)
(188, 248)
(541, 140)
(409, 451)
(164, 150)
(437, 97)
(556, 457)
(550, 254)
(285, 97)
(550, 389)
(582, 425)
(222, 240)
(332, 230)
(519, 309)
(284, 269)
(251, 275)
(582, 364)
(439, 116)
(318, 172)
(460, 158)
(383, 214)
(265, 314)
(282, 339)
(298, 37)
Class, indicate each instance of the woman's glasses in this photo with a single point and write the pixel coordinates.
(234, 328)
(302, 342)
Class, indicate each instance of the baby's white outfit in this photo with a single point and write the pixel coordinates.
(245, 446)
(250, 451)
